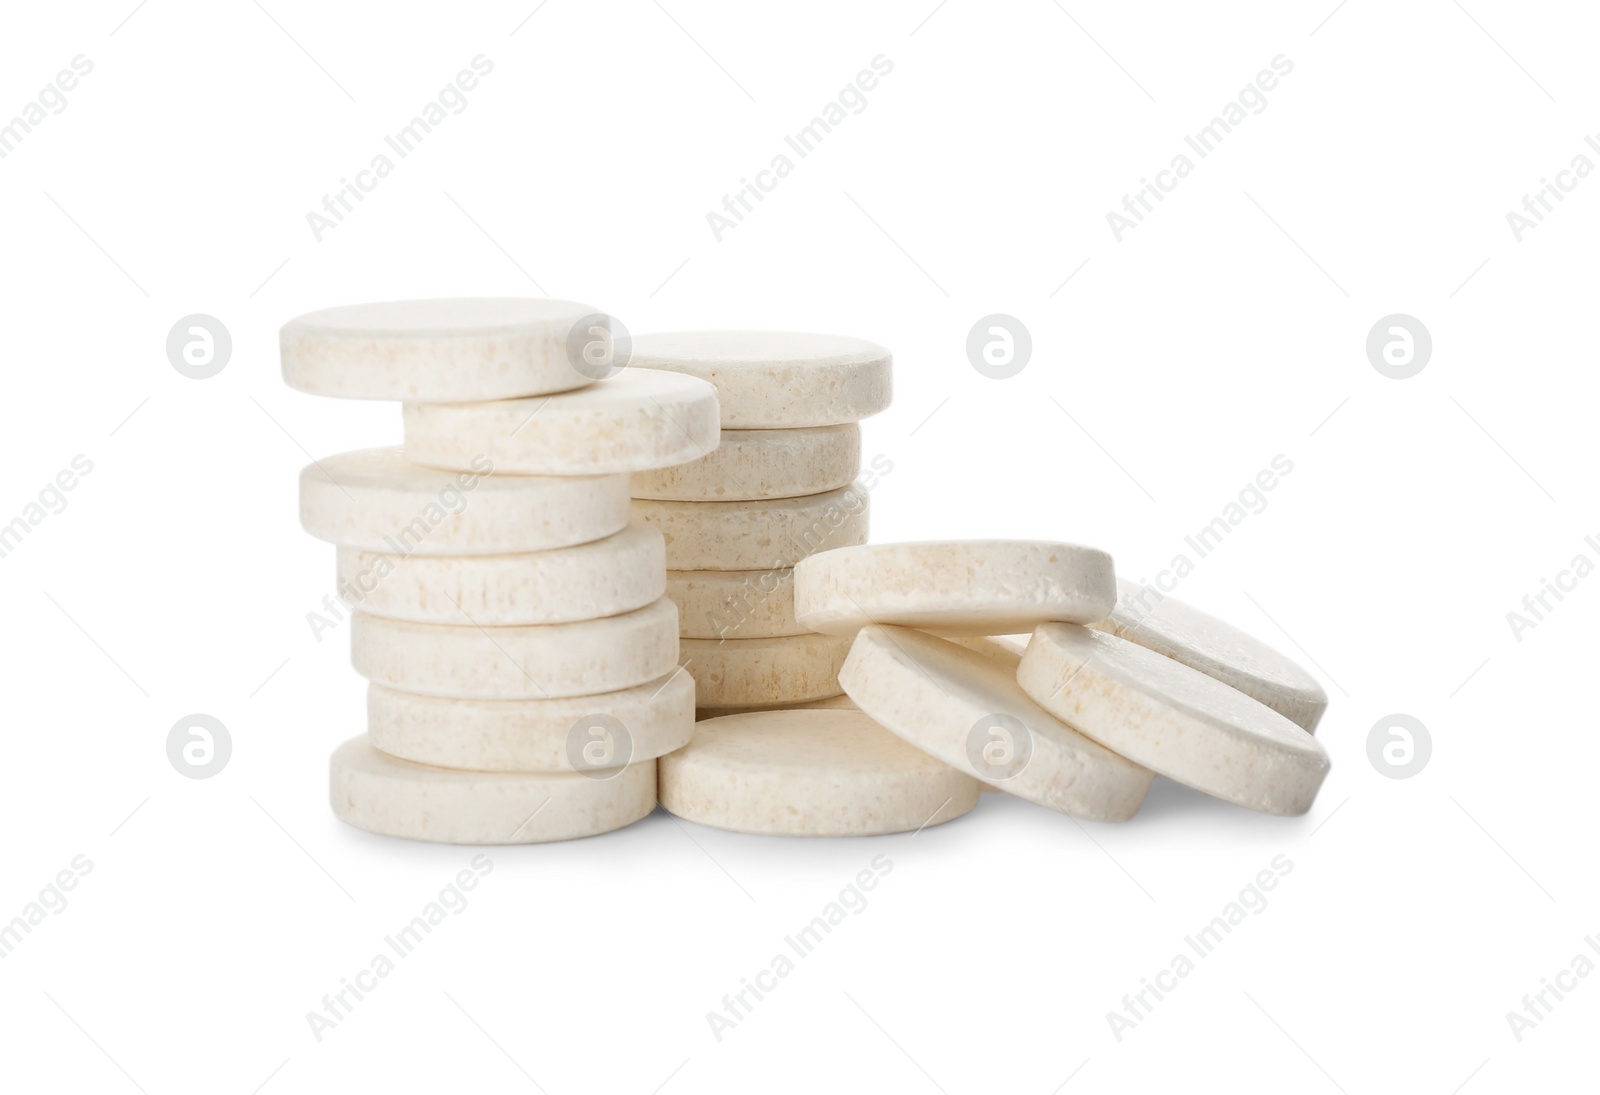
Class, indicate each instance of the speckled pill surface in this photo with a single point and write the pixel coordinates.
(954, 587)
(752, 464)
(966, 709)
(377, 500)
(734, 604)
(1217, 649)
(569, 734)
(437, 351)
(809, 773)
(1172, 719)
(777, 379)
(546, 661)
(606, 577)
(762, 535)
(382, 794)
(1006, 650)
(764, 672)
(634, 421)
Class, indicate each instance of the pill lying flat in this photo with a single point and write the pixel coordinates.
(547, 661)
(809, 773)
(769, 534)
(570, 734)
(967, 710)
(734, 604)
(382, 794)
(1217, 649)
(434, 350)
(632, 422)
(751, 464)
(955, 587)
(377, 500)
(1174, 720)
(764, 672)
(776, 379)
(618, 574)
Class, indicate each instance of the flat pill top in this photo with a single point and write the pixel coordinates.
(456, 317)
(388, 469)
(819, 743)
(753, 349)
(444, 351)
(1217, 649)
(777, 379)
(954, 587)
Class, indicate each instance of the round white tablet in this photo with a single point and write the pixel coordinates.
(440, 351)
(770, 534)
(764, 672)
(1218, 650)
(809, 773)
(776, 379)
(751, 464)
(634, 421)
(572, 734)
(377, 500)
(1174, 720)
(382, 794)
(954, 587)
(617, 574)
(734, 604)
(967, 710)
(546, 661)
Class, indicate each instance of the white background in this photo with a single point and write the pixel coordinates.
(1169, 370)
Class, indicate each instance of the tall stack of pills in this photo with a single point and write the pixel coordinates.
(780, 487)
(569, 560)
(509, 614)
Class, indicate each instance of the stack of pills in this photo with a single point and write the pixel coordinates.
(780, 487)
(1079, 716)
(510, 614)
(561, 538)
